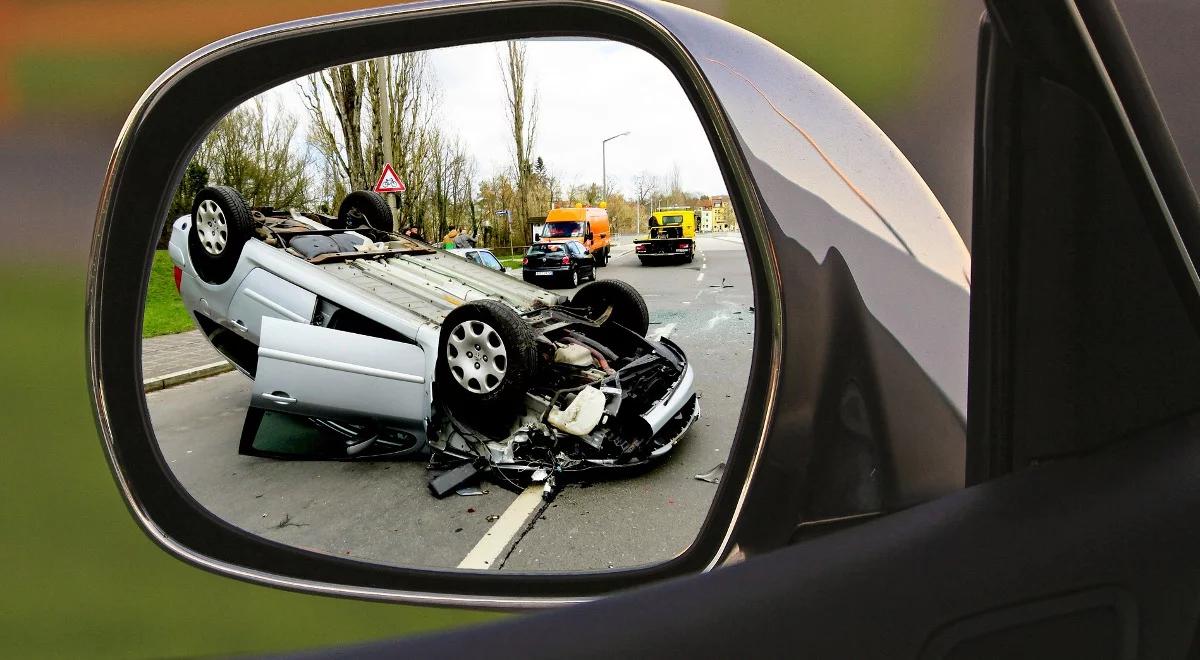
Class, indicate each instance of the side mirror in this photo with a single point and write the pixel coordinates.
(378, 349)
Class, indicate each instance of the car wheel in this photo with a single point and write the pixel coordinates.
(220, 227)
(644, 260)
(628, 306)
(365, 207)
(487, 354)
(602, 257)
(574, 279)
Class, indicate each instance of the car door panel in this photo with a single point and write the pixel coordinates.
(263, 294)
(320, 372)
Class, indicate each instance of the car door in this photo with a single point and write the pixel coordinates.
(583, 260)
(320, 372)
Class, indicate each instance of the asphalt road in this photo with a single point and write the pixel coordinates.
(383, 512)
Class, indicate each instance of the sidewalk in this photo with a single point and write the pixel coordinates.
(173, 359)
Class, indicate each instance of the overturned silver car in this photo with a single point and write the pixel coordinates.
(396, 348)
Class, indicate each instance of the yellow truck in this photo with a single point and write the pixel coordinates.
(672, 237)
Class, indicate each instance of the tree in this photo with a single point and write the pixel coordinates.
(346, 105)
(521, 107)
(252, 151)
(339, 89)
(645, 193)
(195, 177)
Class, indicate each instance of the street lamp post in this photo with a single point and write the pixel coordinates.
(604, 160)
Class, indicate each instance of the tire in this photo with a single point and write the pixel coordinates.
(644, 260)
(602, 257)
(628, 306)
(574, 281)
(493, 330)
(220, 227)
(365, 208)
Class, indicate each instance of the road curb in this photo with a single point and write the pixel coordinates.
(185, 376)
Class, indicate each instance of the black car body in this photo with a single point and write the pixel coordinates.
(567, 263)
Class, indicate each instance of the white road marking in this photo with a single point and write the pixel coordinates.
(700, 277)
(485, 553)
(663, 332)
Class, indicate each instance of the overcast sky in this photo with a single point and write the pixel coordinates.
(587, 90)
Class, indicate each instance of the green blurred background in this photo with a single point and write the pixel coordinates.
(80, 578)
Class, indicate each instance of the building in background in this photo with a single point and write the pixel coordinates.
(723, 218)
(704, 215)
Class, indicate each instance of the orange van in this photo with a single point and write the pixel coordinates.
(586, 224)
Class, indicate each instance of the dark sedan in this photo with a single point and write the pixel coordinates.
(565, 263)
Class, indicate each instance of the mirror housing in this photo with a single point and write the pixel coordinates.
(838, 351)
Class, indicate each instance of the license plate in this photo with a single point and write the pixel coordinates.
(543, 272)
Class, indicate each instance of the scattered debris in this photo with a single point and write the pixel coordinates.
(713, 476)
(471, 510)
(457, 530)
(493, 517)
(470, 491)
(722, 285)
(452, 479)
(287, 522)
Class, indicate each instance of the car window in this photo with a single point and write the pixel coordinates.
(545, 248)
(489, 260)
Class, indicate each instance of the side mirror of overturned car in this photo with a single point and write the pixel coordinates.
(306, 396)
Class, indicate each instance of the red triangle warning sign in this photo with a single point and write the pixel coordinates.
(389, 181)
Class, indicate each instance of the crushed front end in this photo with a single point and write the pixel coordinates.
(607, 402)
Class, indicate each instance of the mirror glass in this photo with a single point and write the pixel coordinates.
(483, 307)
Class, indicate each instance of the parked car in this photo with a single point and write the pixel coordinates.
(563, 263)
(399, 346)
(480, 256)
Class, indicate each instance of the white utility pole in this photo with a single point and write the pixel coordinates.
(385, 119)
(604, 160)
